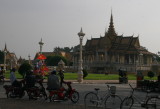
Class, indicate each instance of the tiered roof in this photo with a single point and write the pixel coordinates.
(114, 43)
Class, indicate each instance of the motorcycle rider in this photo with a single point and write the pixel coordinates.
(53, 81)
(30, 80)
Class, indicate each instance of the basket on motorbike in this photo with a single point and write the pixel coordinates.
(113, 89)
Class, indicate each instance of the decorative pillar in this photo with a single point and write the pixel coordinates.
(80, 68)
(41, 44)
(5, 52)
(141, 61)
(29, 59)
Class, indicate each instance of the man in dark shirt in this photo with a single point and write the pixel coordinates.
(53, 81)
(30, 80)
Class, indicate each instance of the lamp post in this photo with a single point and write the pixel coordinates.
(136, 66)
(139, 72)
(5, 52)
(41, 44)
(80, 68)
(11, 63)
(141, 60)
(29, 59)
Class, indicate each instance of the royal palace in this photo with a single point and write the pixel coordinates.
(112, 52)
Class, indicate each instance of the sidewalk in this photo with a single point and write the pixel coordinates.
(101, 81)
(91, 81)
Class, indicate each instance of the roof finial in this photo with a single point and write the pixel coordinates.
(81, 30)
(5, 48)
(111, 14)
(111, 30)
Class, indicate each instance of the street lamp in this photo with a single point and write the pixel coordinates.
(80, 68)
(5, 52)
(11, 63)
(139, 73)
(29, 59)
(141, 60)
(136, 62)
(41, 44)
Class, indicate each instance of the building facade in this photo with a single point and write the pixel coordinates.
(11, 59)
(112, 52)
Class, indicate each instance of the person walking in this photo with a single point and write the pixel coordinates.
(12, 76)
(61, 75)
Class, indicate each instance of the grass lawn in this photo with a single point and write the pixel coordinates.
(73, 76)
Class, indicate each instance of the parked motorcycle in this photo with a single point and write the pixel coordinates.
(37, 91)
(15, 90)
(64, 94)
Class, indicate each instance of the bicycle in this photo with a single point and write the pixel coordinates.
(153, 102)
(109, 99)
(128, 101)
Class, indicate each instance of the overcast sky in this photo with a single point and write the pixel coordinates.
(24, 22)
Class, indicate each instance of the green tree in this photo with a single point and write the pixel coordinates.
(24, 69)
(85, 73)
(1, 57)
(150, 74)
(155, 68)
(67, 49)
(53, 60)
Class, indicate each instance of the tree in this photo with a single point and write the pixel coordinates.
(150, 74)
(155, 68)
(1, 57)
(67, 49)
(24, 69)
(85, 73)
(53, 60)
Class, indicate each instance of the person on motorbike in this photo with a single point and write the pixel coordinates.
(30, 80)
(53, 81)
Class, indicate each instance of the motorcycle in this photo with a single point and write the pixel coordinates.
(37, 91)
(15, 90)
(64, 94)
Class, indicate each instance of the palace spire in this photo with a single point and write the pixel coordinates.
(111, 31)
(5, 48)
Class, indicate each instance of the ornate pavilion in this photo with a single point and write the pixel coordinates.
(112, 52)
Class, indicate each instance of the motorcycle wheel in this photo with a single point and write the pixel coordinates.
(75, 97)
(45, 96)
(10, 95)
(53, 97)
(21, 95)
(32, 96)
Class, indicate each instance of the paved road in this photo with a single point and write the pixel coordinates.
(122, 90)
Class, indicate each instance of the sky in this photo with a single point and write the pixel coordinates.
(24, 22)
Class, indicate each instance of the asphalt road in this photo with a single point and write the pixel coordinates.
(121, 89)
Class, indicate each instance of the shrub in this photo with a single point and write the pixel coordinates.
(150, 74)
(24, 69)
(122, 73)
(85, 73)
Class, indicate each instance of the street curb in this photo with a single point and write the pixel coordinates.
(89, 81)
